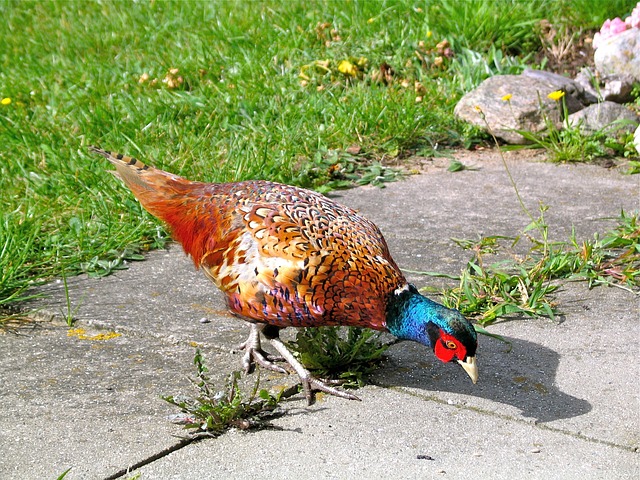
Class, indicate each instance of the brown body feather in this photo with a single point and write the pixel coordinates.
(284, 256)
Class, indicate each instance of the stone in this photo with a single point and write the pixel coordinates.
(528, 109)
(588, 80)
(602, 116)
(617, 87)
(620, 54)
(586, 96)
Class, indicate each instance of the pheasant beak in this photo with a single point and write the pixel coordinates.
(471, 367)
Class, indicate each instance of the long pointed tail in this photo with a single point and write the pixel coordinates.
(140, 178)
(158, 191)
(171, 198)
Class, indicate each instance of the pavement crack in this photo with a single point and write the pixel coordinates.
(156, 456)
(511, 418)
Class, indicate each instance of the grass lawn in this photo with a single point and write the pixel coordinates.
(304, 92)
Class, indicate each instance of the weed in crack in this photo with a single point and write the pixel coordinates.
(345, 354)
(211, 412)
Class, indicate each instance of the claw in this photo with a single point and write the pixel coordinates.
(254, 353)
(262, 358)
(309, 383)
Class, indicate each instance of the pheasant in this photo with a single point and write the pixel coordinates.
(289, 257)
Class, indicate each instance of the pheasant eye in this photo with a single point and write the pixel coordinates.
(451, 345)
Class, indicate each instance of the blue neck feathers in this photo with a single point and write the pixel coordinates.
(410, 316)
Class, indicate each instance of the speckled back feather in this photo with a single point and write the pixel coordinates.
(282, 255)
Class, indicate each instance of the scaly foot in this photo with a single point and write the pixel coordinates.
(309, 383)
(254, 353)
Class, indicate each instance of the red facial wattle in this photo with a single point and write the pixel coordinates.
(447, 347)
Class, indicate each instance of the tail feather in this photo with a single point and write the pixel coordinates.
(154, 188)
(150, 185)
(171, 198)
(135, 174)
(119, 159)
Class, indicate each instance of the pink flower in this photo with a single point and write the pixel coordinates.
(633, 20)
(616, 26)
(609, 29)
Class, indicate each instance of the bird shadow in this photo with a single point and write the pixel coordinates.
(519, 373)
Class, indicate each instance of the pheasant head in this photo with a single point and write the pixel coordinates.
(410, 316)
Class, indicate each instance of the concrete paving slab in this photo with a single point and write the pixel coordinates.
(562, 403)
(574, 377)
(88, 404)
(137, 301)
(396, 435)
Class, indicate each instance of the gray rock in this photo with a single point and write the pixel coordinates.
(588, 80)
(608, 116)
(528, 109)
(571, 87)
(620, 54)
(617, 87)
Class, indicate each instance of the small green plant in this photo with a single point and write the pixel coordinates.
(487, 293)
(69, 313)
(64, 474)
(213, 411)
(524, 285)
(506, 287)
(346, 354)
(614, 259)
(457, 166)
(335, 169)
(111, 261)
(489, 244)
(634, 168)
(570, 143)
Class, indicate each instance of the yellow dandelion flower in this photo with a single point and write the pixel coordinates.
(429, 33)
(556, 95)
(477, 108)
(371, 20)
(507, 97)
(5, 101)
(347, 68)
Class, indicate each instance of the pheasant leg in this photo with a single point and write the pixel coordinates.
(254, 353)
(309, 383)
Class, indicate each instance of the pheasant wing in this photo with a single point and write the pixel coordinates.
(296, 258)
